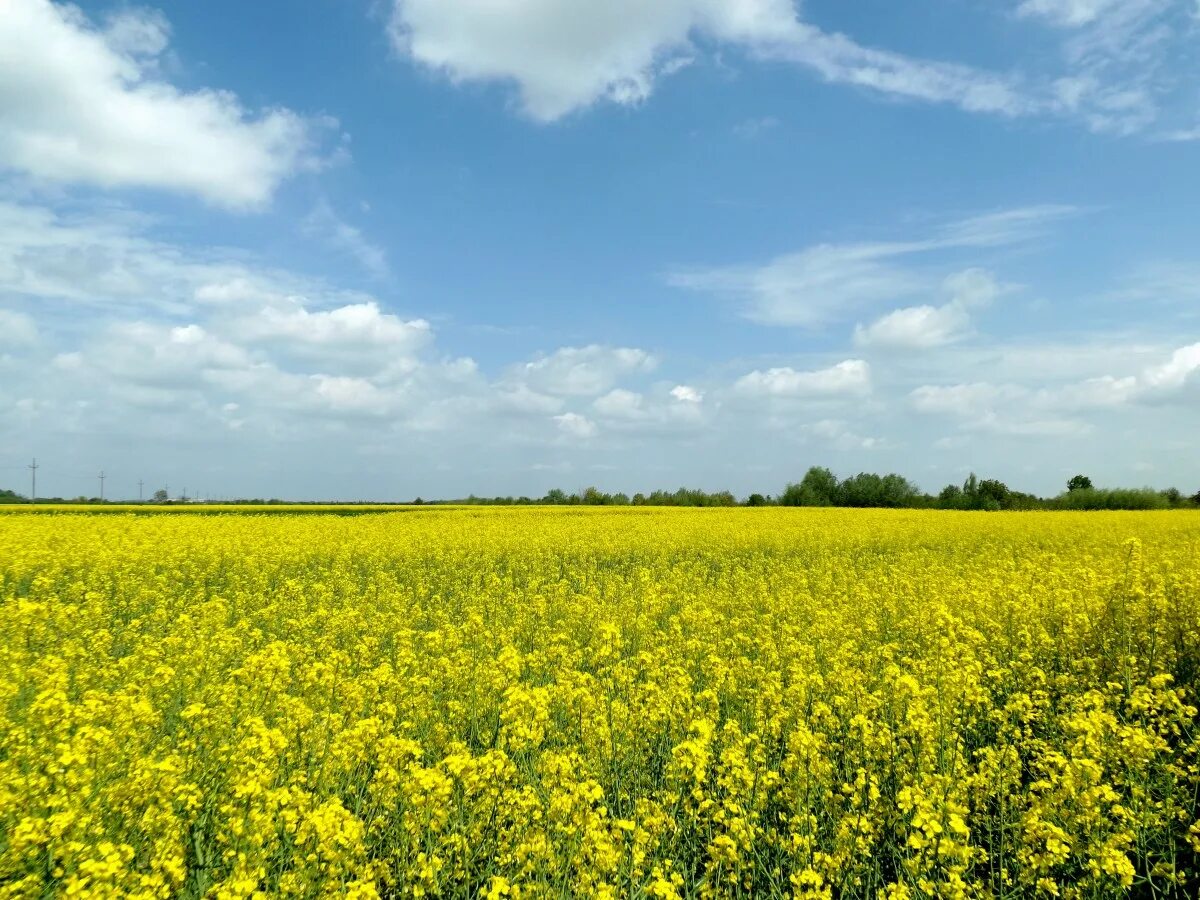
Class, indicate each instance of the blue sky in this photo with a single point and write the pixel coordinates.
(381, 249)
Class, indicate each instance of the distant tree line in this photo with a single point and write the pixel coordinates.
(818, 487)
(594, 497)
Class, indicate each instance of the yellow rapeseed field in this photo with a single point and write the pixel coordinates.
(634, 702)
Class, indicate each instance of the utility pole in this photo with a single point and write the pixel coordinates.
(33, 467)
(140, 483)
(102, 476)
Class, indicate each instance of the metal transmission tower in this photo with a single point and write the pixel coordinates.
(140, 483)
(102, 477)
(33, 467)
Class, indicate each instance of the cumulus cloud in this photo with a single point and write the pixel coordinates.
(353, 329)
(582, 371)
(678, 410)
(564, 56)
(163, 356)
(574, 425)
(220, 340)
(621, 404)
(915, 327)
(1056, 409)
(849, 378)
(346, 394)
(1176, 371)
(85, 103)
(924, 327)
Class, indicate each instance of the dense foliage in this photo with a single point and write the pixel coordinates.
(600, 702)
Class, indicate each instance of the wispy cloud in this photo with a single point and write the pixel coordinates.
(825, 282)
(564, 58)
(749, 129)
(326, 225)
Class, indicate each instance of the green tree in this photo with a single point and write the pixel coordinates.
(1079, 483)
(992, 494)
(819, 487)
(951, 497)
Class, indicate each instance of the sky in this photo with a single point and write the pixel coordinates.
(378, 249)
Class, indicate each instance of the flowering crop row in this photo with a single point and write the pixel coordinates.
(634, 702)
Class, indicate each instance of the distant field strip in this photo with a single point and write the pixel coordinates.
(541, 702)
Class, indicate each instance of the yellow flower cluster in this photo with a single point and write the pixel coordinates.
(660, 703)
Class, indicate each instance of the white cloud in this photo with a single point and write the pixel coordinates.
(839, 59)
(582, 371)
(840, 435)
(924, 327)
(1176, 371)
(1068, 13)
(915, 327)
(522, 401)
(326, 225)
(1161, 283)
(1119, 55)
(103, 261)
(576, 426)
(352, 327)
(1102, 392)
(808, 288)
(163, 356)
(565, 55)
(1000, 409)
(849, 378)
(620, 404)
(963, 399)
(659, 412)
(16, 329)
(354, 395)
(820, 284)
(974, 289)
(81, 104)
(1055, 409)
